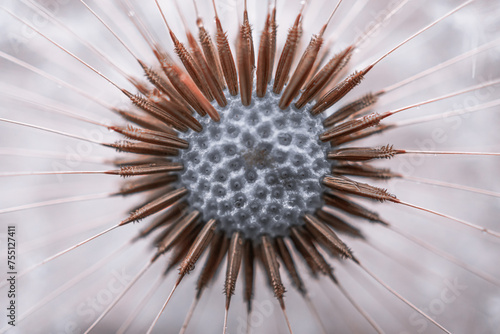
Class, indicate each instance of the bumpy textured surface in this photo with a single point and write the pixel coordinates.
(258, 170)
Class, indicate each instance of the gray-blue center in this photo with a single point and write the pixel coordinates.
(258, 170)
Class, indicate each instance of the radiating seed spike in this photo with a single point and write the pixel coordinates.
(218, 250)
(264, 59)
(350, 109)
(128, 160)
(146, 169)
(301, 248)
(210, 54)
(143, 148)
(245, 58)
(272, 266)
(191, 67)
(151, 196)
(314, 259)
(338, 224)
(226, 59)
(156, 205)
(188, 90)
(174, 212)
(160, 237)
(146, 183)
(351, 126)
(164, 86)
(189, 64)
(365, 170)
(235, 253)
(319, 63)
(168, 108)
(271, 262)
(273, 32)
(145, 121)
(301, 72)
(181, 246)
(287, 55)
(176, 230)
(248, 28)
(208, 74)
(339, 91)
(327, 237)
(198, 247)
(182, 84)
(205, 72)
(343, 184)
(249, 270)
(152, 136)
(287, 259)
(360, 134)
(323, 77)
(363, 153)
(145, 105)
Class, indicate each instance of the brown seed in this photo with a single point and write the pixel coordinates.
(143, 148)
(301, 72)
(198, 247)
(339, 91)
(210, 53)
(156, 205)
(338, 224)
(188, 90)
(264, 59)
(173, 213)
(207, 73)
(245, 57)
(287, 55)
(226, 59)
(273, 31)
(271, 264)
(323, 77)
(351, 126)
(365, 170)
(363, 153)
(316, 262)
(343, 184)
(350, 109)
(154, 111)
(218, 250)
(146, 183)
(287, 259)
(164, 86)
(327, 237)
(345, 204)
(359, 135)
(150, 168)
(191, 66)
(181, 247)
(145, 121)
(235, 253)
(175, 231)
(151, 136)
(249, 268)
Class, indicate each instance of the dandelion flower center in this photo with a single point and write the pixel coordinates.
(258, 170)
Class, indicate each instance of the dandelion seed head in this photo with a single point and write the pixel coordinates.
(257, 171)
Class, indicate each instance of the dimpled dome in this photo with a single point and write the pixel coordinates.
(257, 170)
